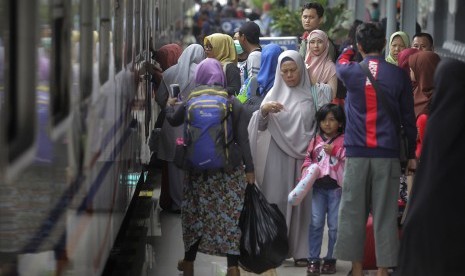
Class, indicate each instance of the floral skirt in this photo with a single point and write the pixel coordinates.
(211, 208)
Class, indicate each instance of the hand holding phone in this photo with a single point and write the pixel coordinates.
(174, 90)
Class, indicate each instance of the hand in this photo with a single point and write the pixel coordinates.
(271, 107)
(411, 167)
(250, 177)
(171, 101)
(328, 148)
(313, 79)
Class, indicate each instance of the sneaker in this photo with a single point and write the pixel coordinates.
(313, 268)
(329, 267)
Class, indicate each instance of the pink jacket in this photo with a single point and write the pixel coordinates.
(332, 164)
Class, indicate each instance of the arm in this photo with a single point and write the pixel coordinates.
(175, 114)
(233, 79)
(333, 83)
(344, 64)
(162, 94)
(308, 157)
(338, 150)
(253, 64)
(242, 139)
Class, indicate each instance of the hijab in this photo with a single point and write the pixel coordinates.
(404, 38)
(402, 58)
(269, 62)
(223, 48)
(321, 65)
(210, 72)
(183, 72)
(423, 65)
(168, 55)
(432, 239)
(293, 127)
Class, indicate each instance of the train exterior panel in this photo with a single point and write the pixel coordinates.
(76, 112)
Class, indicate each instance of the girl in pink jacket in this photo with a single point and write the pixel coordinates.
(323, 170)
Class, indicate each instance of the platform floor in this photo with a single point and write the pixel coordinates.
(165, 248)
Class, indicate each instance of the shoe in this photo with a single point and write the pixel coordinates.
(313, 268)
(186, 267)
(300, 262)
(233, 271)
(329, 267)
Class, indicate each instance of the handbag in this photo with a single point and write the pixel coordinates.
(403, 147)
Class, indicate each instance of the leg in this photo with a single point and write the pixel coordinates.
(385, 193)
(233, 265)
(315, 233)
(334, 198)
(187, 264)
(382, 271)
(176, 186)
(353, 211)
(357, 269)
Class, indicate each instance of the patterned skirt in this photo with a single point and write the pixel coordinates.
(211, 208)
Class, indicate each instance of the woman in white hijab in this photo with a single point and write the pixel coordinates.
(183, 73)
(279, 133)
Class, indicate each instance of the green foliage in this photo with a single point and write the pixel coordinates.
(287, 21)
(336, 22)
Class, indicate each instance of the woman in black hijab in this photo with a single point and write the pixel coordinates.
(433, 240)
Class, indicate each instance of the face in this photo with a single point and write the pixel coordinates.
(209, 50)
(290, 73)
(316, 46)
(236, 36)
(310, 20)
(397, 45)
(330, 125)
(422, 44)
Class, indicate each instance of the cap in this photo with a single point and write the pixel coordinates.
(251, 31)
(239, 49)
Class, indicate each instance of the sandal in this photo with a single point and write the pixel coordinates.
(301, 262)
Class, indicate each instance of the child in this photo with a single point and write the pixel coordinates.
(326, 151)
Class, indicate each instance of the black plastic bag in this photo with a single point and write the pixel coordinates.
(264, 244)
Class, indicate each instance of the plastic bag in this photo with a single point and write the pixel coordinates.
(264, 244)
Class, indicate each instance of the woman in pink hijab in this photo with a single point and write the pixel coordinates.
(320, 67)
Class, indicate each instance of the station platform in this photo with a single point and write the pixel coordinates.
(162, 247)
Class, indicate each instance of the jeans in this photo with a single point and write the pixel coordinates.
(323, 202)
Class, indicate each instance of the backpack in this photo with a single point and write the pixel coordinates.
(208, 129)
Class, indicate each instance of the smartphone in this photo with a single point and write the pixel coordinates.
(174, 90)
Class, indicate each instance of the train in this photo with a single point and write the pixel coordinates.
(76, 111)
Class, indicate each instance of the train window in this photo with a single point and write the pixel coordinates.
(144, 25)
(20, 75)
(3, 29)
(86, 53)
(137, 25)
(118, 35)
(60, 67)
(129, 34)
(157, 19)
(104, 40)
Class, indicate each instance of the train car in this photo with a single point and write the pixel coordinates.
(75, 114)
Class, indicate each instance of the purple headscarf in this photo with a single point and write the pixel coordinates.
(210, 72)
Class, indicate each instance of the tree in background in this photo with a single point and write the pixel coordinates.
(337, 20)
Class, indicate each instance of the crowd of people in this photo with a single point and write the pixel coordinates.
(287, 123)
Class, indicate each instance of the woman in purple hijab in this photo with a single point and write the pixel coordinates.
(213, 199)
